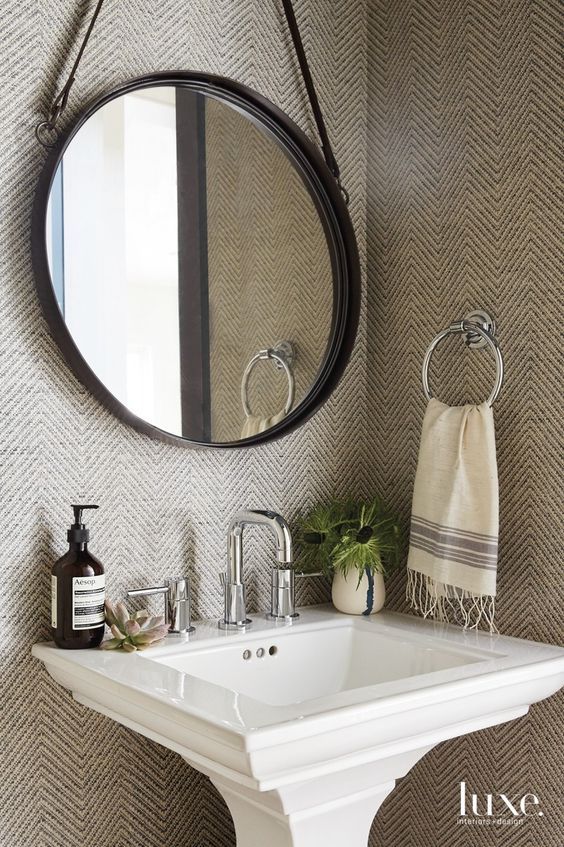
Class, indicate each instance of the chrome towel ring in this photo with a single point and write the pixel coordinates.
(283, 356)
(478, 334)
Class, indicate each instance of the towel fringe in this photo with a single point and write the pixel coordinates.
(449, 604)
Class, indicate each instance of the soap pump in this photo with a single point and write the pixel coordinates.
(78, 587)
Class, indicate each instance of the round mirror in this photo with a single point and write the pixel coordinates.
(196, 261)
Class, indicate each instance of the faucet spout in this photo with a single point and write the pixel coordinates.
(274, 522)
(284, 551)
(282, 578)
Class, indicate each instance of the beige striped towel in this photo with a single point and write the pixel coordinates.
(453, 543)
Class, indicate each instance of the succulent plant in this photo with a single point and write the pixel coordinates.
(132, 632)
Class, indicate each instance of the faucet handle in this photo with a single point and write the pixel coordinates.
(282, 602)
(302, 575)
(177, 597)
(235, 606)
(178, 603)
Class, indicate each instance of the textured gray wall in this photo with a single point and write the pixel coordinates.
(69, 778)
(264, 242)
(462, 211)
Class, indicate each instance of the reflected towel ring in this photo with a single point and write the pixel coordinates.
(281, 359)
(471, 329)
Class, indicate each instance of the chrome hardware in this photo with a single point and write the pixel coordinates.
(234, 605)
(302, 575)
(473, 339)
(478, 328)
(283, 356)
(286, 351)
(282, 585)
(282, 593)
(177, 602)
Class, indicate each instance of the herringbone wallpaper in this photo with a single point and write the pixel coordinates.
(453, 105)
(464, 210)
(70, 778)
(264, 239)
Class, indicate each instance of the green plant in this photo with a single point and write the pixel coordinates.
(348, 534)
(130, 633)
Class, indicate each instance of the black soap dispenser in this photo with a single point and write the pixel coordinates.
(78, 587)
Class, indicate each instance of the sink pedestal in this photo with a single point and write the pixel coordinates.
(332, 810)
(268, 820)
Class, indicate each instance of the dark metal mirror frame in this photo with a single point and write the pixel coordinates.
(329, 202)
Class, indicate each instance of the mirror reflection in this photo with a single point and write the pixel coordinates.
(190, 264)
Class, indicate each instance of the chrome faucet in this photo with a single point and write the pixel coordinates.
(282, 578)
(177, 602)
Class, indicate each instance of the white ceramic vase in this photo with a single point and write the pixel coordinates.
(354, 598)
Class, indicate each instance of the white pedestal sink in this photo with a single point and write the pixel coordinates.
(305, 728)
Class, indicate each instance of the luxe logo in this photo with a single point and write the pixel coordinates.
(497, 806)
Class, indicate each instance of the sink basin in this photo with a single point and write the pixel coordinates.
(296, 665)
(304, 728)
